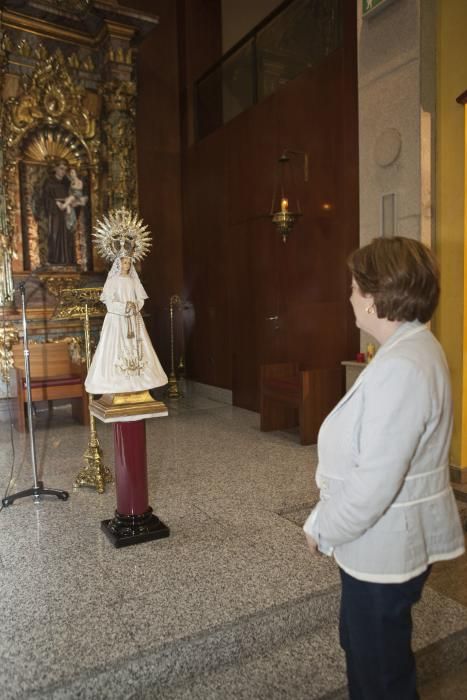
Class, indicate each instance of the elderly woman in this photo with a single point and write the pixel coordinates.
(387, 511)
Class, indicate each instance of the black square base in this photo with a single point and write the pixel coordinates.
(123, 530)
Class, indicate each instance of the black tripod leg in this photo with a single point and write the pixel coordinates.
(62, 495)
(8, 500)
(35, 491)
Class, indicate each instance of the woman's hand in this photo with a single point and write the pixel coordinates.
(130, 307)
(312, 545)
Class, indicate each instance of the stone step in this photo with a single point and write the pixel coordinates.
(223, 647)
(303, 669)
(310, 668)
(288, 651)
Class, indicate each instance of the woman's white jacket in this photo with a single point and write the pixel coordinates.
(387, 509)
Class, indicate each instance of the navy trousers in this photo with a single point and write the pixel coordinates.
(376, 634)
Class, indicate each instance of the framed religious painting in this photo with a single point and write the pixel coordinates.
(56, 219)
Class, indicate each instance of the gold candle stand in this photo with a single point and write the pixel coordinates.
(84, 303)
(173, 391)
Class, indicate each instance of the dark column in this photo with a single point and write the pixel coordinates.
(134, 520)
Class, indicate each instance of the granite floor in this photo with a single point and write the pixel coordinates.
(229, 606)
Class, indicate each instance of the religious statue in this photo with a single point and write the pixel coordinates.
(125, 360)
(75, 199)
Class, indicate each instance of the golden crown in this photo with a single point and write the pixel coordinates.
(122, 235)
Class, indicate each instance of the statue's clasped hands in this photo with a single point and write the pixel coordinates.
(130, 308)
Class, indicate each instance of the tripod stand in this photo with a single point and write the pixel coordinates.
(37, 489)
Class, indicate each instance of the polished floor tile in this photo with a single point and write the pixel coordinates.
(230, 605)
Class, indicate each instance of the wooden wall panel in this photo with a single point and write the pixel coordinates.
(183, 45)
(285, 301)
(206, 287)
(249, 299)
(159, 164)
(200, 46)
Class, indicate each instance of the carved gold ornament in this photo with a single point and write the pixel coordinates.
(79, 302)
(49, 95)
(41, 52)
(120, 95)
(51, 113)
(54, 102)
(47, 121)
(6, 43)
(8, 337)
(55, 284)
(88, 64)
(53, 144)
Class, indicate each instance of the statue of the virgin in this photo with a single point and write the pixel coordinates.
(125, 360)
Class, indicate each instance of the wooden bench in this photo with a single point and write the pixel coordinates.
(290, 396)
(53, 376)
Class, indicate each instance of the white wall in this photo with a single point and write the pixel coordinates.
(396, 90)
(397, 94)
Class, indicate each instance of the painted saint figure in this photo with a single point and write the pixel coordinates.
(125, 360)
(59, 239)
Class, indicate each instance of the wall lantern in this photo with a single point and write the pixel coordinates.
(285, 206)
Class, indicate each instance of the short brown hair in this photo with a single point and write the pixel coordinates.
(402, 276)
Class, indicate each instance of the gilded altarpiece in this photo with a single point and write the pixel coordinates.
(67, 130)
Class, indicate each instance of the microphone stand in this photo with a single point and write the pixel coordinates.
(38, 489)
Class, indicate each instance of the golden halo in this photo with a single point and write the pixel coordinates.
(121, 234)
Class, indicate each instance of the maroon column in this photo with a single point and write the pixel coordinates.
(134, 520)
(131, 474)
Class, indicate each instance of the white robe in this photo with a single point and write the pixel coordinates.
(122, 363)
